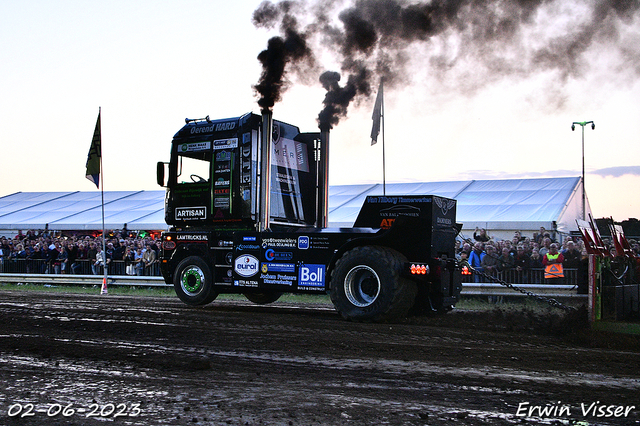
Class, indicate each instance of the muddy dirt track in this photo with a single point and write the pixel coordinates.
(85, 360)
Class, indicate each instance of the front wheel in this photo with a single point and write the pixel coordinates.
(367, 285)
(193, 282)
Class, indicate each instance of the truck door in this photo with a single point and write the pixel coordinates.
(190, 183)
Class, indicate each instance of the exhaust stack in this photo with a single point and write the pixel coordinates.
(265, 171)
(322, 213)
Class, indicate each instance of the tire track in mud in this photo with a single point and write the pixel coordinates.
(239, 364)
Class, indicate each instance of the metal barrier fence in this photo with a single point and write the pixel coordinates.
(572, 277)
(468, 289)
(79, 267)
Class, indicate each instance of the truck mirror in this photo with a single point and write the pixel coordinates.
(160, 173)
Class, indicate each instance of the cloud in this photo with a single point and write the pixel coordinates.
(492, 174)
(615, 172)
(618, 171)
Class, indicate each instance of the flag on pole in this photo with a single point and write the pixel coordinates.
(376, 116)
(95, 152)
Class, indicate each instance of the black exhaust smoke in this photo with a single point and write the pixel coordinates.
(291, 49)
(475, 42)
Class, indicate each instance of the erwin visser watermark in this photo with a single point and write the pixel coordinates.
(584, 409)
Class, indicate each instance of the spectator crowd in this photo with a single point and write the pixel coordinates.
(44, 252)
(524, 259)
(519, 260)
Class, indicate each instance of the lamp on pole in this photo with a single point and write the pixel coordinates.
(584, 196)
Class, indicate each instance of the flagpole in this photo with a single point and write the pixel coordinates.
(384, 179)
(104, 244)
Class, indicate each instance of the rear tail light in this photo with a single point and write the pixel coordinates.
(419, 269)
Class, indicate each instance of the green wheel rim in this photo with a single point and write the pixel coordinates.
(192, 280)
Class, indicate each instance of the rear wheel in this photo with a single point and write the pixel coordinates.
(193, 282)
(263, 298)
(367, 285)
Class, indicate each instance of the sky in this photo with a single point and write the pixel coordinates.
(460, 105)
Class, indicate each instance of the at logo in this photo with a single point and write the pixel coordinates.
(386, 223)
(246, 265)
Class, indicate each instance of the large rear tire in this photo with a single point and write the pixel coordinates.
(193, 282)
(263, 298)
(367, 285)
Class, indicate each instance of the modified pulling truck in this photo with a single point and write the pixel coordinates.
(247, 205)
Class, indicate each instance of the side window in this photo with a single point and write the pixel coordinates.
(193, 170)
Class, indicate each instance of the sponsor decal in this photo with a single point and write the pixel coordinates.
(303, 243)
(290, 154)
(225, 143)
(443, 221)
(386, 223)
(246, 265)
(245, 283)
(222, 182)
(221, 203)
(311, 276)
(195, 146)
(278, 267)
(243, 247)
(250, 238)
(192, 237)
(191, 213)
(395, 200)
(318, 243)
(279, 242)
(400, 210)
(445, 205)
(271, 255)
(223, 156)
(278, 279)
(230, 125)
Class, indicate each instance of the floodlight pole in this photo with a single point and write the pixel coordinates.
(584, 193)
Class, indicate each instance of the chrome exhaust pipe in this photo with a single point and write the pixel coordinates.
(265, 171)
(322, 213)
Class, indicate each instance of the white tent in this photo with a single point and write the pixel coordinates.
(82, 210)
(500, 206)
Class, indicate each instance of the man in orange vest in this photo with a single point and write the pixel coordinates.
(552, 262)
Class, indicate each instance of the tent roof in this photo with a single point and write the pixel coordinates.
(492, 204)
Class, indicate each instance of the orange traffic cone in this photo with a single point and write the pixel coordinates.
(104, 286)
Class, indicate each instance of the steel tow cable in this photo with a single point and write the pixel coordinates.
(551, 301)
